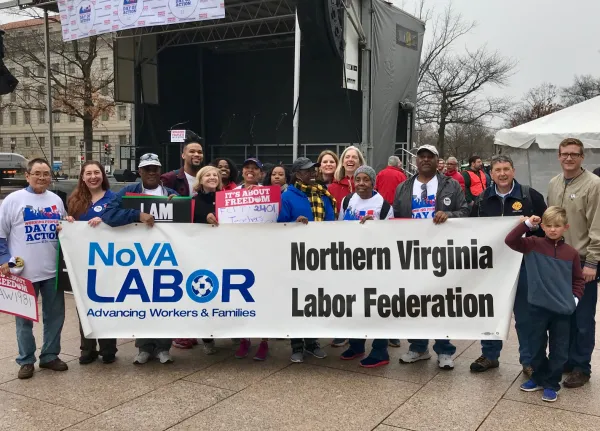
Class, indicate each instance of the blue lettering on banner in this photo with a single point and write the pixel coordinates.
(201, 285)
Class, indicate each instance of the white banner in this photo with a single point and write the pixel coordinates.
(84, 18)
(383, 279)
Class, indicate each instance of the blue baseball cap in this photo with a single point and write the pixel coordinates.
(253, 160)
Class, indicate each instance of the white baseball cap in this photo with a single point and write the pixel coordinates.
(149, 159)
(429, 148)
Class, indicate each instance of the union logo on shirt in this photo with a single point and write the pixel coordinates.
(40, 224)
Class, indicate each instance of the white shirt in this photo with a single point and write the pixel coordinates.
(191, 182)
(155, 192)
(28, 222)
(424, 208)
(358, 208)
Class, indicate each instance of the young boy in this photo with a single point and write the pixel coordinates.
(556, 285)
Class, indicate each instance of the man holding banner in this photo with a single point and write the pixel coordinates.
(28, 229)
(430, 195)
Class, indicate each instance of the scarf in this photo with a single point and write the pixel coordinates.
(315, 194)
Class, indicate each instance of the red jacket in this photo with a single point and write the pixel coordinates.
(230, 186)
(388, 181)
(341, 189)
(458, 177)
(177, 181)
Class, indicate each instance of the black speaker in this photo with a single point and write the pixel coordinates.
(322, 25)
(8, 82)
(124, 176)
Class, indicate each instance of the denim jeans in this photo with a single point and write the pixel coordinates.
(379, 348)
(583, 330)
(548, 326)
(153, 345)
(441, 347)
(53, 317)
(491, 348)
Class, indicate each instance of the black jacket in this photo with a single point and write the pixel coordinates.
(516, 203)
(204, 204)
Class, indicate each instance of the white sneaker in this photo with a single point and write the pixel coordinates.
(142, 358)
(445, 362)
(164, 357)
(210, 348)
(410, 357)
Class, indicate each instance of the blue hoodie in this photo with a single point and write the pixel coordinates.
(294, 203)
(115, 216)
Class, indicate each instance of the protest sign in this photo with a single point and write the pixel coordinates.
(177, 135)
(17, 297)
(259, 205)
(175, 210)
(383, 279)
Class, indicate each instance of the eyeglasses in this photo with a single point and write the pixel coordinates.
(41, 174)
(149, 156)
(573, 156)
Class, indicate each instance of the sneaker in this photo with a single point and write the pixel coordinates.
(26, 371)
(261, 353)
(339, 342)
(394, 342)
(371, 362)
(88, 357)
(350, 354)
(410, 357)
(109, 359)
(574, 380)
(297, 356)
(164, 357)
(315, 350)
(183, 343)
(482, 364)
(549, 395)
(142, 358)
(527, 371)
(210, 348)
(244, 348)
(445, 362)
(530, 386)
(55, 365)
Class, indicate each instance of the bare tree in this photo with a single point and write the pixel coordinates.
(537, 103)
(81, 87)
(453, 85)
(584, 87)
(465, 140)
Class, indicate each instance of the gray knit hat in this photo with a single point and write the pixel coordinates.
(364, 169)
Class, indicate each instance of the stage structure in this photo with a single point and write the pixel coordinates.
(274, 79)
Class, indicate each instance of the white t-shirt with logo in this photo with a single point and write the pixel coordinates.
(191, 182)
(358, 208)
(159, 191)
(424, 208)
(28, 221)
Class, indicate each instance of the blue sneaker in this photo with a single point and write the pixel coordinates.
(530, 386)
(550, 395)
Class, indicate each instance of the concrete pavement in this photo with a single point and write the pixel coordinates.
(200, 392)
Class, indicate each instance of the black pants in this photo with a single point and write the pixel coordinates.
(108, 346)
(547, 326)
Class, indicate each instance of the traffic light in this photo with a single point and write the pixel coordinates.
(107, 149)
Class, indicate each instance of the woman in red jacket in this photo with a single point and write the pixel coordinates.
(343, 183)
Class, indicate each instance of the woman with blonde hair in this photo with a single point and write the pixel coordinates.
(329, 162)
(343, 183)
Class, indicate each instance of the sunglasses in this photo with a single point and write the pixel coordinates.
(149, 156)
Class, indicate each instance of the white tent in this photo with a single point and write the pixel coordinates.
(534, 146)
(581, 121)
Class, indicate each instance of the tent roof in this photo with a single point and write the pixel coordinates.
(581, 121)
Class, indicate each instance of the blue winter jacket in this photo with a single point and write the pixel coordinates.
(294, 203)
(115, 216)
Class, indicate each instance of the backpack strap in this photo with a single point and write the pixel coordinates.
(385, 209)
(526, 192)
(346, 201)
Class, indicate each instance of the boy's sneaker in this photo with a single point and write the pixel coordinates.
(315, 350)
(445, 362)
(244, 348)
(371, 362)
(142, 358)
(482, 364)
(350, 354)
(297, 355)
(210, 348)
(261, 353)
(549, 395)
(394, 342)
(164, 357)
(530, 386)
(339, 342)
(410, 357)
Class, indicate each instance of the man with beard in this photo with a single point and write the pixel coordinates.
(183, 180)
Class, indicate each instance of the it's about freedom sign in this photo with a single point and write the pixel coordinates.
(383, 279)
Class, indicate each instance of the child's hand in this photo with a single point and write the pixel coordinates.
(535, 220)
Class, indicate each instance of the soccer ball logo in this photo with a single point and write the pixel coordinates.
(202, 286)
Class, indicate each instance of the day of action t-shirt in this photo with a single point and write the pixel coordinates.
(424, 207)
